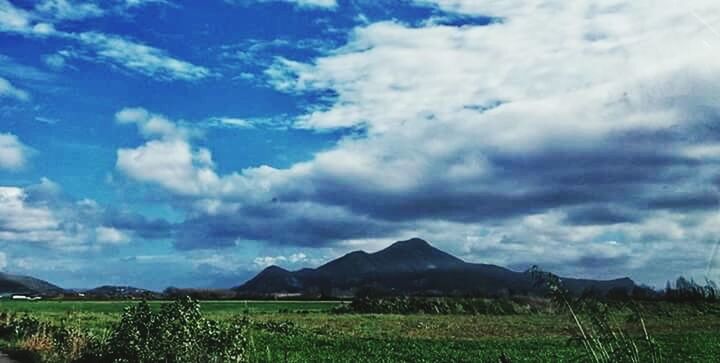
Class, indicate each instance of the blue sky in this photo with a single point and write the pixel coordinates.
(159, 142)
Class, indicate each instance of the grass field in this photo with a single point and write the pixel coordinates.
(683, 333)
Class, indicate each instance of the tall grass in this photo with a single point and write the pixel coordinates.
(603, 340)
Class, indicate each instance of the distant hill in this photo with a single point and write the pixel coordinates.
(411, 267)
(27, 285)
(117, 292)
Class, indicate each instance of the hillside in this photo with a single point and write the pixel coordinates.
(411, 267)
(26, 285)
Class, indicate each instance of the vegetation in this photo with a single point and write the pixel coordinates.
(602, 340)
(309, 331)
(175, 333)
(437, 305)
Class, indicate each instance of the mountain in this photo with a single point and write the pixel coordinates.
(411, 267)
(26, 285)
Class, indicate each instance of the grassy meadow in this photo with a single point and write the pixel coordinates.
(310, 331)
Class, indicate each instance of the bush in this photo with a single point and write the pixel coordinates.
(177, 333)
(15, 327)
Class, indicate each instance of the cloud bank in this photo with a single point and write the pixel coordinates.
(576, 134)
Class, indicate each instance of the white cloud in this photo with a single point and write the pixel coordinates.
(167, 159)
(141, 58)
(494, 132)
(170, 161)
(12, 18)
(543, 86)
(323, 4)
(55, 61)
(266, 261)
(315, 3)
(69, 10)
(8, 90)
(13, 154)
(109, 235)
(3, 261)
(137, 3)
(46, 120)
(152, 125)
(20, 217)
(105, 48)
(173, 164)
(16, 20)
(229, 122)
(295, 258)
(39, 214)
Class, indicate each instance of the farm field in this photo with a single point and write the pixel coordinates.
(308, 331)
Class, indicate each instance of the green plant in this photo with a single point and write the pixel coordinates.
(177, 333)
(429, 305)
(603, 341)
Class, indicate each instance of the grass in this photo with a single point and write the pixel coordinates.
(683, 332)
(115, 306)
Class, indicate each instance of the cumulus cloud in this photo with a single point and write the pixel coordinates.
(13, 154)
(19, 216)
(151, 125)
(40, 214)
(173, 164)
(167, 159)
(575, 134)
(23, 221)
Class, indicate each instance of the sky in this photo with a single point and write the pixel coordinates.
(159, 143)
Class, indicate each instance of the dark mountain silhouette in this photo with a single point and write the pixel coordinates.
(411, 267)
(27, 285)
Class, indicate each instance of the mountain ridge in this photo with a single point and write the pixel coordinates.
(411, 267)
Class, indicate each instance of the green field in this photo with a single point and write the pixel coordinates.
(683, 333)
(218, 308)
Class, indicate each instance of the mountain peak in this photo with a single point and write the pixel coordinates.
(411, 243)
(415, 254)
(274, 270)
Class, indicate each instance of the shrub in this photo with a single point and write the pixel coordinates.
(177, 333)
